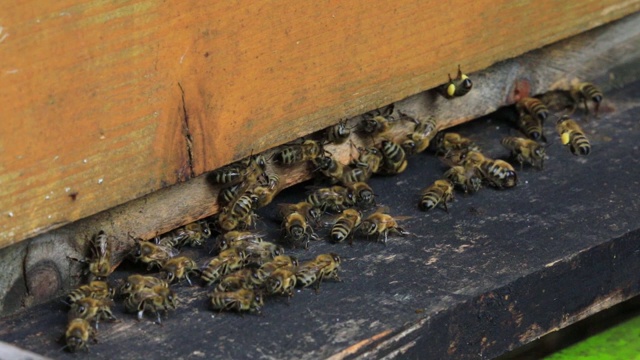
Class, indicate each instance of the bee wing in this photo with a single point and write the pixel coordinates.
(381, 209)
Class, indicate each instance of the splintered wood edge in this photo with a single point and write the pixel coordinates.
(592, 56)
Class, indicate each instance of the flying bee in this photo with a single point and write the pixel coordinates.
(281, 281)
(377, 121)
(247, 278)
(100, 260)
(239, 300)
(394, 157)
(525, 150)
(295, 230)
(347, 223)
(324, 266)
(571, 134)
(531, 127)
(584, 91)
(227, 261)
(151, 254)
(335, 198)
(382, 225)
(92, 309)
(339, 133)
(440, 192)
(310, 212)
(137, 282)
(363, 194)
(457, 87)
(78, 334)
(179, 268)
(95, 289)
(152, 300)
(465, 178)
(296, 153)
(451, 142)
(533, 107)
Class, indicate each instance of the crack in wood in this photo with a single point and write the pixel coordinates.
(187, 133)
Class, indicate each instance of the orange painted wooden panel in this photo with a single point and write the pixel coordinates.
(102, 102)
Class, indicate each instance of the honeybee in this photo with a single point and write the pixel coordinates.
(248, 170)
(363, 194)
(497, 173)
(153, 300)
(531, 127)
(92, 309)
(440, 192)
(533, 107)
(296, 153)
(78, 334)
(179, 268)
(152, 254)
(257, 250)
(229, 194)
(238, 214)
(193, 234)
(279, 261)
(525, 150)
(457, 87)
(263, 196)
(369, 159)
(382, 225)
(394, 158)
(295, 229)
(100, 262)
(324, 266)
(247, 278)
(465, 178)
(281, 281)
(583, 91)
(239, 300)
(227, 240)
(227, 261)
(415, 143)
(451, 142)
(346, 225)
(310, 212)
(95, 289)
(338, 133)
(329, 166)
(571, 134)
(377, 121)
(137, 282)
(335, 198)
(500, 174)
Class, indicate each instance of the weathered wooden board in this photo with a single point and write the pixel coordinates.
(106, 101)
(499, 270)
(603, 55)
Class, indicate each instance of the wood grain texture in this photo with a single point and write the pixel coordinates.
(106, 101)
(598, 55)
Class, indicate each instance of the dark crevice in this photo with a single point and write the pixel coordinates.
(187, 133)
(24, 270)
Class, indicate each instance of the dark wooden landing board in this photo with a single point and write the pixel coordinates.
(499, 270)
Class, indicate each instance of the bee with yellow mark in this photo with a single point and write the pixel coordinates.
(572, 135)
(457, 87)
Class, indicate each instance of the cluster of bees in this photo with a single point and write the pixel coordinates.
(246, 268)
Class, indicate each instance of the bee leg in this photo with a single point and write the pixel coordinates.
(159, 322)
(444, 202)
(186, 275)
